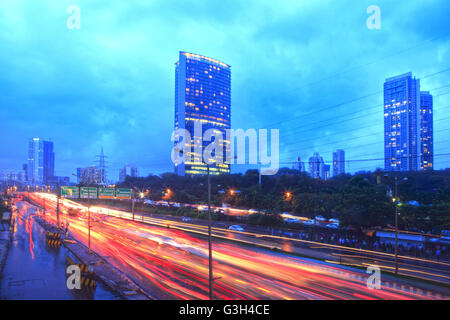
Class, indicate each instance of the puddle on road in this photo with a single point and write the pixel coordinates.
(33, 270)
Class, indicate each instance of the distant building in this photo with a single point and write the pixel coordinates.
(402, 123)
(338, 162)
(299, 165)
(317, 167)
(61, 181)
(25, 169)
(327, 171)
(202, 96)
(128, 170)
(426, 131)
(41, 161)
(91, 175)
(12, 176)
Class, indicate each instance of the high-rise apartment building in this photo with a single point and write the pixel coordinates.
(128, 170)
(317, 168)
(91, 175)
(402, 123)
(338, 162)
(426, 131)
(202, 96)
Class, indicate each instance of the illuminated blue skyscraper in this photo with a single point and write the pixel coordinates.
(202, 94)
(41, 161)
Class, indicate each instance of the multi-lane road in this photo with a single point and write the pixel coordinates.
(172, 263)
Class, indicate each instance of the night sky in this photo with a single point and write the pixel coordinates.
(309, 68)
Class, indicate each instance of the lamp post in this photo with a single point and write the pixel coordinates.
(209, 232)
(89, 215)
(395, 200)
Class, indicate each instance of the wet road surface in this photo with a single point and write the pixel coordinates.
(35, 271)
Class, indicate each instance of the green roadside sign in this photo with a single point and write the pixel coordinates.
(70, 192)
(123, 193)
(106, 193)
(88, 192)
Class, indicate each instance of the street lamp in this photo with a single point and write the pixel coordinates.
(395, 200)
(209, 231)
(288, 196)
(89, 215)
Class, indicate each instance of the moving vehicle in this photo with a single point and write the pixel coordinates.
(235, 227)
(309, 222)
(186, 219)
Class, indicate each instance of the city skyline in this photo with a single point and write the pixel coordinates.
(278, 81)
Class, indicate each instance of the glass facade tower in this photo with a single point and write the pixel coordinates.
(202, 95)
(41, 161)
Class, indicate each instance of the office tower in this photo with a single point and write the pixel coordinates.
(317, 167)
(41, 161)
(426, 131)
(338, 162)
(402, 123)
(202, 96)
(91, 176)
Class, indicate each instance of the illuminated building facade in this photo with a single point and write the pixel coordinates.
(317, 169)
(41, 161)
(338, 162)
(202, 94)
(426, 131)
(402, 123)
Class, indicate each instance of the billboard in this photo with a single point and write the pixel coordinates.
(88, 192)
(123, 193)
(70, 192)
(106, 193)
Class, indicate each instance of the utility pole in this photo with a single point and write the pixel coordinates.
(132, 203)
(58, 195)
(259, 175)
(396, 226)
(209, 237)
(89, 220)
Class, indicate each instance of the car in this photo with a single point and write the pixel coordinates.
(334, 220)
(252, 211)
(320, 218)
(176, 205)
(202, 208)
(292, 220)
(147, 201)
(332, 226)
(235, 227)
(186, 219)
(219, 210)
(309, 222)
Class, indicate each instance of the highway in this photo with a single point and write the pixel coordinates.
(172, 263)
